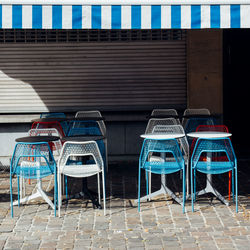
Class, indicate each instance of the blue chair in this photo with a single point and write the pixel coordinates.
(174, 164)
(211, 147)
(33, 161)
(193, 122)
(64, 124)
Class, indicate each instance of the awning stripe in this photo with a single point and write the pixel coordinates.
(124, 17)
(37, 17)
(0, 16)
(195, 17)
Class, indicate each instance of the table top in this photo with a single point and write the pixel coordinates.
(81, 138)
(162, 136)
(59, 119)
(209, 134)
(37, 139)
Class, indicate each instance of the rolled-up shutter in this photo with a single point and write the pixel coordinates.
(69, 76)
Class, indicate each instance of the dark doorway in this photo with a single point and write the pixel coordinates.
(236, 88)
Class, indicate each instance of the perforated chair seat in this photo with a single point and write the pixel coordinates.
(158, 158)
(219, 167)
(32, 170)
(157, 167)
(76, 170)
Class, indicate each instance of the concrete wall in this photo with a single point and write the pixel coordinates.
(205, 68)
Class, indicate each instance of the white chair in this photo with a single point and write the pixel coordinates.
(167, 112)
(96, 113)
(69, 168)
(159, 121)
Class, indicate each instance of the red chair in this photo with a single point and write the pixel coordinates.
(217, 128)
(52, 124)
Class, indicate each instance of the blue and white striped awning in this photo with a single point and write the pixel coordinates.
(124, 14)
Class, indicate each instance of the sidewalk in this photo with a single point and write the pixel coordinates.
(160, 224)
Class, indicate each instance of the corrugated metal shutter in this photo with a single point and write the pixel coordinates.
(106, 76)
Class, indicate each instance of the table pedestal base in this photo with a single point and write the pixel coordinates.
(86, 193)
(164, 190)
(210, 189)
(39, 193)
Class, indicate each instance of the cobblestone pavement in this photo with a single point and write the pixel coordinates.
(160, 224)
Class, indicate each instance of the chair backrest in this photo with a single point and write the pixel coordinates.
(93, 113)
(211, 146)
(167, 112)
(79, 149)
(169, 146)
(50, 115)
(32, 160)
(218, 128)
(200, 111)
(174, 129)
(84, 128)
(159, 121)
(56, 146)
(46, 125)
(164, 112)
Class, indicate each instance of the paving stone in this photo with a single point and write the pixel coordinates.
(159, 225)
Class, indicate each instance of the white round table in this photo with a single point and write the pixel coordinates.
(162, 136)
(209, 134)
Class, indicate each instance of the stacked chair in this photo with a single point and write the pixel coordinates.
(64, 124)
(175, 151)
(102, 129)
(33, 161)
(172, 161)
(213, 147)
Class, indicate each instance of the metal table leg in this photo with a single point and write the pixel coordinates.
(209, 188)
(163, 190)
(39, 193)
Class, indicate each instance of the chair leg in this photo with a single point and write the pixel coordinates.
(236, 189)
(66, 186)
(229, 184)
(11, 198)
(139, 187)
(59, 193)
(98, 186)
(183, 189)
(55, 191)
(194, 173)
(192, 190)
(104, 192)
(233, 183)
(147, 181)
(18, 190)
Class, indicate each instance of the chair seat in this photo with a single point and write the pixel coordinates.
(159, 159)
(214, 167)
(158, 167)
(34, 170)
(81, 170)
